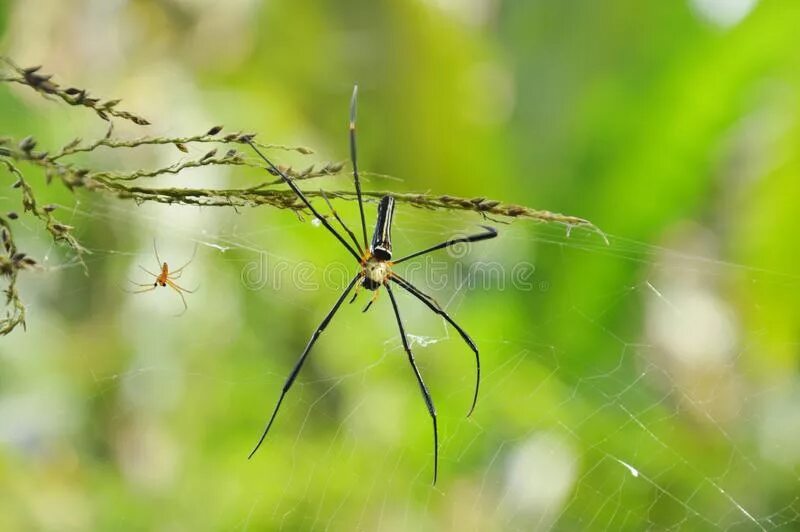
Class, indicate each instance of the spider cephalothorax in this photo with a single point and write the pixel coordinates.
(375, 271)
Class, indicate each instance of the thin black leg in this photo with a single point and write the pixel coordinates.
(422, 387)
(307, 203)
(434, 306)
(293, 375)
(491, 232)
(353, 159)
(341, 222)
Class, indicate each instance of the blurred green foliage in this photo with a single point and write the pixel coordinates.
(648, 383)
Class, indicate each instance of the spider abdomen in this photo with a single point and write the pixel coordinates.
(382, 237)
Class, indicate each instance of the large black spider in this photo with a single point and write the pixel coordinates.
(376, 272)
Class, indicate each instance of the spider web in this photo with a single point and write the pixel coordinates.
(624, 384)
(588, 418)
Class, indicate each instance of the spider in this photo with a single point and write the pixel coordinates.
(375, 271)
(167, 277)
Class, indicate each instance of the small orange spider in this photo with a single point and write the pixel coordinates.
(165, 278)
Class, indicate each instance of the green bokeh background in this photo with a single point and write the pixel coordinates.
(650, 382)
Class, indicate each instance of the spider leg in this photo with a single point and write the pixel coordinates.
(176, 286)
(355, 294)
(305, 201)
(353, 158)
(148, 289)
(153, 284)
(194, 254)
(371, 301)
(299, 364)
(422, 387)
(155, 248)
(341, 222)
(490, 232)
(147, 271)
(179, 290)
(435, 307)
